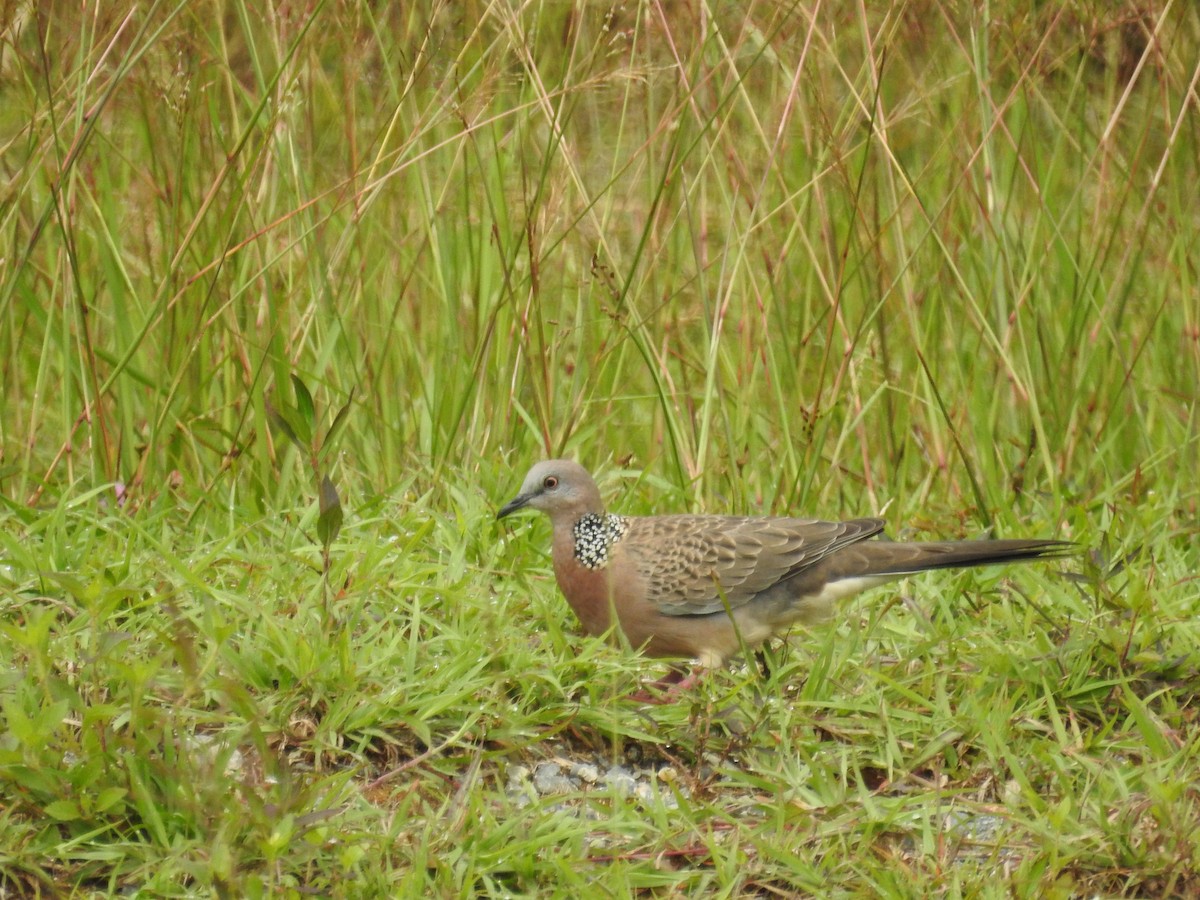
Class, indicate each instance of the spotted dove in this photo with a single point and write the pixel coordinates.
(705, 586)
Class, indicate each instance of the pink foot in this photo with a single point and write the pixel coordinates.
(668, 688)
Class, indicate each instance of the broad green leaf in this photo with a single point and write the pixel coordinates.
(339, 421)
(63, 810)
(280, 421)
(307, 410)
(329, 522)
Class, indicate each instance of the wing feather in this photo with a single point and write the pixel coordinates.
(687, 562)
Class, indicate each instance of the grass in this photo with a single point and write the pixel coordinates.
(914, 260)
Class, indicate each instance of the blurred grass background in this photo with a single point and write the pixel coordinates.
(926, 259)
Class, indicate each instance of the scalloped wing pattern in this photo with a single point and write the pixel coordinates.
(688, 562)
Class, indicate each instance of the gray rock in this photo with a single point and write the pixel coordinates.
(586, 772)
(649, 795)
(621, 780)
(548, 778)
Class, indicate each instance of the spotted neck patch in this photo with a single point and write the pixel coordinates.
(594, 536)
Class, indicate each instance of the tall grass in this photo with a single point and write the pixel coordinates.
(921, 259)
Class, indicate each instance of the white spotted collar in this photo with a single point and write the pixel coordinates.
(595, 535)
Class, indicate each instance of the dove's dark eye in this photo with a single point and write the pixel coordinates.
(550, 482)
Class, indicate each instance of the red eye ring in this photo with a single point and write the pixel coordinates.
(550, 482)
